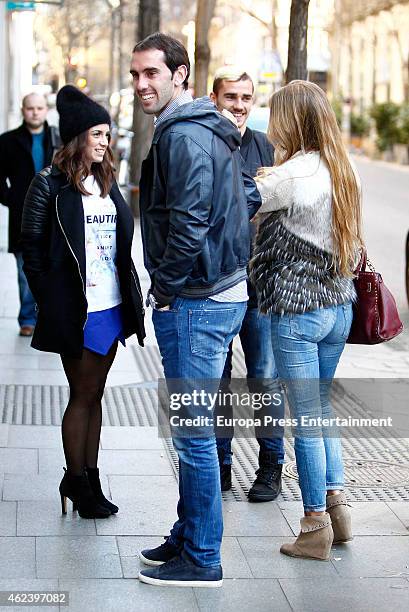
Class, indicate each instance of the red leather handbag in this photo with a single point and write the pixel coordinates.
(376, 317)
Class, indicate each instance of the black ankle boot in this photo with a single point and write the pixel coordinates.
(267, 485)
(95, 483)
(78, 490)
(225, 471)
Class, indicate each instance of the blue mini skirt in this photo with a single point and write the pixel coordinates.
(102, 329)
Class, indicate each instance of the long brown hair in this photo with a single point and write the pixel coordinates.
(70, 160)
(302, 119)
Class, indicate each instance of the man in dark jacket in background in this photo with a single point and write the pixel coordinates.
(233, 90)
(195, 207)
(24, 152)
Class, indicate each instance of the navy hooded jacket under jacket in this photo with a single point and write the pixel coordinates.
(195, 202)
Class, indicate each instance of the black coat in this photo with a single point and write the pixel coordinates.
(53, 245)
(17, 168)
(257, 152)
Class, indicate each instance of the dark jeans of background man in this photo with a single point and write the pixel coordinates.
(255, 336)
(193, 338)
(27, 314)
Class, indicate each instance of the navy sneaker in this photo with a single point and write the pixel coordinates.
(159, 555)
(181, 571)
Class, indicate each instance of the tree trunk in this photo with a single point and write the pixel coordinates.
(204, 14)
(297, 41)
(142, 126)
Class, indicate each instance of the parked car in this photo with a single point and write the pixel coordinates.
(258, 119)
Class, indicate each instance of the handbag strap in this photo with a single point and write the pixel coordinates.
(370, 265)
(363, 262)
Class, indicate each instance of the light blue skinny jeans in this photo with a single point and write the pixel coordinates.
(307, 348)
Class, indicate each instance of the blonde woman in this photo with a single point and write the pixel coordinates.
(306, 248)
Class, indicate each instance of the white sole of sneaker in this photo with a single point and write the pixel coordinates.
(210, 584)
(150, 562)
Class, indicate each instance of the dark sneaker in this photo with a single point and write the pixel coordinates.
(225, 477)
(181, 571)
(267, 485)
(225, 470)
(158, 555)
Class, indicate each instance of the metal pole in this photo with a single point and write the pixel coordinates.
(120, 44)
(112, 54)
(4, 76)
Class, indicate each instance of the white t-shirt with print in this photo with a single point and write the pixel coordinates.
(102, 284)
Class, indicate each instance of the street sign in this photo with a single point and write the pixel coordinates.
(21, 6)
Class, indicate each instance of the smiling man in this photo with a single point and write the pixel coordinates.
(195, 206)
(233, 90)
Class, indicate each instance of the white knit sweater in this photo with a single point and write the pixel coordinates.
(302, 187)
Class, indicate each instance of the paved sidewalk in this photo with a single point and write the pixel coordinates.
(97, 560)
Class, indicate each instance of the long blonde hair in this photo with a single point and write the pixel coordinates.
(301, 119)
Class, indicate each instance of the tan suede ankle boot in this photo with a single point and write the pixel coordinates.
(314, 540)
(337, 508)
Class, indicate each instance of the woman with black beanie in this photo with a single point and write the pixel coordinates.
(76, 240)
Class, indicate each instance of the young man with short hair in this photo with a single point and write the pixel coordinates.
(233, 90)
(195, 207)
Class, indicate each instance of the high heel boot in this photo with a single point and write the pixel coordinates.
(78, 490)
(95, 484)
(337, 508)
(314, 540)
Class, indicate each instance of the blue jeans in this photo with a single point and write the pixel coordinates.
(255, 336)
(193, 338)
(307, 348)
(27, 314)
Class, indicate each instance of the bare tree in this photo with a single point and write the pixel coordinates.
(77, 24)
(297, 41)
(142, 127)
(204, 14)
(270, 26)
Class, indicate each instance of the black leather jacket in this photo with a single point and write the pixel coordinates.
(195, 205)
(53, 245)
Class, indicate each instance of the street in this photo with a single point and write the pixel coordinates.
(386, 223)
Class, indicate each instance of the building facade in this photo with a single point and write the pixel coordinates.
(369, 42)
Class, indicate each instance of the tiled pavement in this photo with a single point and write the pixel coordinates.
(97, 560)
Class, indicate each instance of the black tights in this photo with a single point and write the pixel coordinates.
(81, 424)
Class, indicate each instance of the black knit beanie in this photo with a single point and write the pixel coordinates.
(78, 113)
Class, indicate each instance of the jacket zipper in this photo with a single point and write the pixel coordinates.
(73, 254)
(138, 290)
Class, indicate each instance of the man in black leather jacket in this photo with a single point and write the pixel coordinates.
(195, 206)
